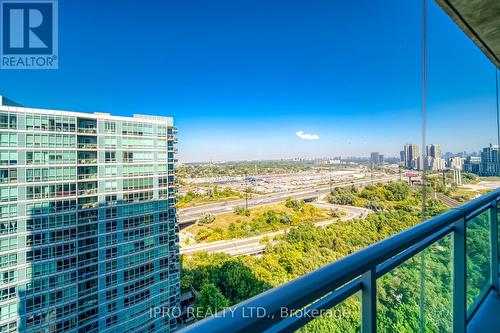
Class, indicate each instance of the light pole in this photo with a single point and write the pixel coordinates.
(372, 172)
(246, 191)
(255, 181)
(330, 168)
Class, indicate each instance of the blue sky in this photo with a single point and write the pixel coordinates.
(242, 77)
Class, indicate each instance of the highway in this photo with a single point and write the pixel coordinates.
(188, 216)
(253, 246)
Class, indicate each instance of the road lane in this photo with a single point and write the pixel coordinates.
(190, 214)
(252, 245)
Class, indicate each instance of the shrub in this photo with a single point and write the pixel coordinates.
(335, 213)
(296, 205)
(242, 211)
(271, 217)
(286, 219)
(375, 204)
(206, 219)
(202, 235)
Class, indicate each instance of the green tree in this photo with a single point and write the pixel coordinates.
(210, 300)
(342, 196)
(375, 204)
(397, 191)
(296, 205)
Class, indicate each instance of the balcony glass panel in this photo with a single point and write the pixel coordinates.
(409, 297)
(345, 317)
(478, 257)
(498, 235)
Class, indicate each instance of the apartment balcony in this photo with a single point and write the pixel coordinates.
(91, 176)
(171, 149)
(87, 126)
(89, 146)
(87, 161)
(87, 172)
(88, 203)
(85, 189)
(87, 157)
(466, 236)
(87, 130)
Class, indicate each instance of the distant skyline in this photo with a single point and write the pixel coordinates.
(250, 80)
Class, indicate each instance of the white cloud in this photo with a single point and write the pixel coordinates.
(305, 136)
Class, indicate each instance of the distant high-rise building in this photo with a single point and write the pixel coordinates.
(433, 160)
(411, 154)
(490, 165)
(88, 221)
(434, 163)
(433, 150)
(417, 164)
(448, 155)
(472, 164)
(376, 158)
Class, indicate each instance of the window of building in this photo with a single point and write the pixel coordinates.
(110, 156)
(109, 127)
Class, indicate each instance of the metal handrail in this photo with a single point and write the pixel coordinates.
(308, 288)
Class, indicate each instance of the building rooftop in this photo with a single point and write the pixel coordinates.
(10, 105)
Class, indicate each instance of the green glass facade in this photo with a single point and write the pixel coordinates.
(88, 227)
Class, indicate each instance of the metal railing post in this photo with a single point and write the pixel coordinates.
(369, 302)
(459, 276)
(494, 246)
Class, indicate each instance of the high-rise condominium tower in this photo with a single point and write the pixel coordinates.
(490, 161)
(433, 150)
(88, 229)
(411, 154)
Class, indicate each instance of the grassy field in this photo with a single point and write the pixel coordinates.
(257, 220)
(487, 179)
(464, 194)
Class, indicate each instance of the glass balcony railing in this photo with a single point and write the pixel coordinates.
(88, 205)
(88, 191)
(432, 277)
(172, 150)
(87, 161)
(87, 130)
(87, 145)
(87, 176)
